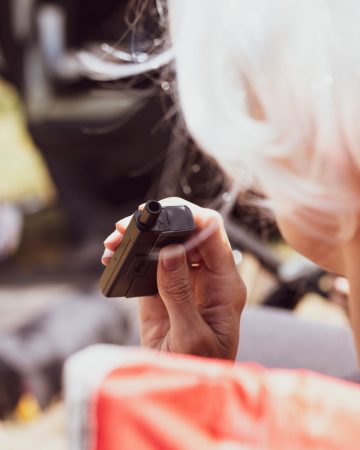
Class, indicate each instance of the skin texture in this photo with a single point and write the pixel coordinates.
(338, 256)
(201, 294)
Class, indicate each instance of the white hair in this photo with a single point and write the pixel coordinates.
(275, 85)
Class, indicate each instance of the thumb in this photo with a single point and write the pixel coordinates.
(175, 288)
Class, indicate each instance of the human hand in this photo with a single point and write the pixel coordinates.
(201, 294)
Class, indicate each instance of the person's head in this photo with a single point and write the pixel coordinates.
(275, 85)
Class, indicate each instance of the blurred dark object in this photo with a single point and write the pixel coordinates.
(32, 355)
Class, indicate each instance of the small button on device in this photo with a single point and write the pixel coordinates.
(139, 266)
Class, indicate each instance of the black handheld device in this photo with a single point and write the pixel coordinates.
(131, 271)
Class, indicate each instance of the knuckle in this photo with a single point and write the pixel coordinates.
(123, 223)
(179, 290)
(119, 226)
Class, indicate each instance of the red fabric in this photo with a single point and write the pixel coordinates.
(177, 402)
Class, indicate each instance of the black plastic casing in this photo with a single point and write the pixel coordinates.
(131, 271)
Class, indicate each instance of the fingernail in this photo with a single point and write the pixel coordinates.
(111, 237)
(172, 257)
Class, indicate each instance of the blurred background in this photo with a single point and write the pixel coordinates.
(77, 153)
